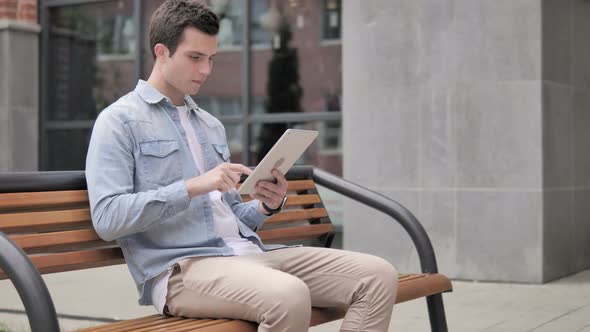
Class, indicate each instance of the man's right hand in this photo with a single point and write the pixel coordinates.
(223, 178)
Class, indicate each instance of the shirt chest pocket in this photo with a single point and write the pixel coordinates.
(160, 162)
(222, 151)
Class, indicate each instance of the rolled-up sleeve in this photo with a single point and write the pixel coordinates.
(247, 212)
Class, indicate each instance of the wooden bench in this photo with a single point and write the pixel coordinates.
(46, 214)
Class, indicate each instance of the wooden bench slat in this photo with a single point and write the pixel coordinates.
(168, 324)
(295, 233)
(402, 276)
(227, 326)
(147, 326)
(303, 200)
(421, 286)
(158, 323)
(192, 325)
(295, 200)
(293, 215)
(35, 200)
(69, 261)
(37, 221)
(409, 277)
(51, 240)
(121, 324)
(296, 185)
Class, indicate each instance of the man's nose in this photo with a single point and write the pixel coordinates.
(205, 68)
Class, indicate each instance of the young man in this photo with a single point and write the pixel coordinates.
(161, 185)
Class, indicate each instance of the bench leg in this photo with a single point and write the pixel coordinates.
(328, 240)
(436, 311)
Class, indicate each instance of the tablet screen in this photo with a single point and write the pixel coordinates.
(281, 156)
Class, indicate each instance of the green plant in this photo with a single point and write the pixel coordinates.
(3, 328)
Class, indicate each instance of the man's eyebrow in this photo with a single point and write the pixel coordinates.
(200, 53)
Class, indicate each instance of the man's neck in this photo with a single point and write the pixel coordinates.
(165, 89)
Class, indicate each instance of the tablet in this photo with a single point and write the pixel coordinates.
(281, 156)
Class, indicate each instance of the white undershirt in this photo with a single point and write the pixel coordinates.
(226, 224)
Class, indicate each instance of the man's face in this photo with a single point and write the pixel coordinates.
(192, 62)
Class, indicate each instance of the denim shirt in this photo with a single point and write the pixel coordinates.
(136, 165)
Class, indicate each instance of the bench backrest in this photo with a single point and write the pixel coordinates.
(55, 229)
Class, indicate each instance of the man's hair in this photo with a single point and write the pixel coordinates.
(170, 19)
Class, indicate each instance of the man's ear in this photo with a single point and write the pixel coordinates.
(162, 52)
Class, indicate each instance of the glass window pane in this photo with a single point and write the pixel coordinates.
(91, 58)
(331, 19)
(67, 149)
(224, 86)
(298, 72)
(231, 22)
(234, 140)
(91, 63)
(325, 152)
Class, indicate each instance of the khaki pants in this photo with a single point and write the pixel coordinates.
(278, 288)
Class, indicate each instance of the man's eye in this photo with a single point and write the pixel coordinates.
(196, 58)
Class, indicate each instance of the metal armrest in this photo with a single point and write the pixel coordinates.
(388, 206)
(29, 285)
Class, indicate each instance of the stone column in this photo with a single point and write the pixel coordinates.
(474, 115)
(566, 137)
(19, 85)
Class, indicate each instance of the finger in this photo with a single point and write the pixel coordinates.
(270, 194)
(279, 189)
(235, 177)
(280, 177)
(227, 183)
(239, 168)
(270, 186)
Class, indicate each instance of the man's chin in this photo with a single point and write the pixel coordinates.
(193, 91)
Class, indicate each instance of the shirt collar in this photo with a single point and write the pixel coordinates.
(148, 93)
(191, 103)
(152, 96)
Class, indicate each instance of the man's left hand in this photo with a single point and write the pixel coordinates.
(270, 193)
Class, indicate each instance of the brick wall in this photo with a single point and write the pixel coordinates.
(21, 10)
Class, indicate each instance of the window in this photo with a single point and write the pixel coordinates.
(89, 55)
(116, 35)
(91, 59)
(231, 25)
(330, 140)
(332, 19)
(220, 106)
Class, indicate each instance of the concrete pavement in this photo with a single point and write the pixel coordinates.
(86, 298)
